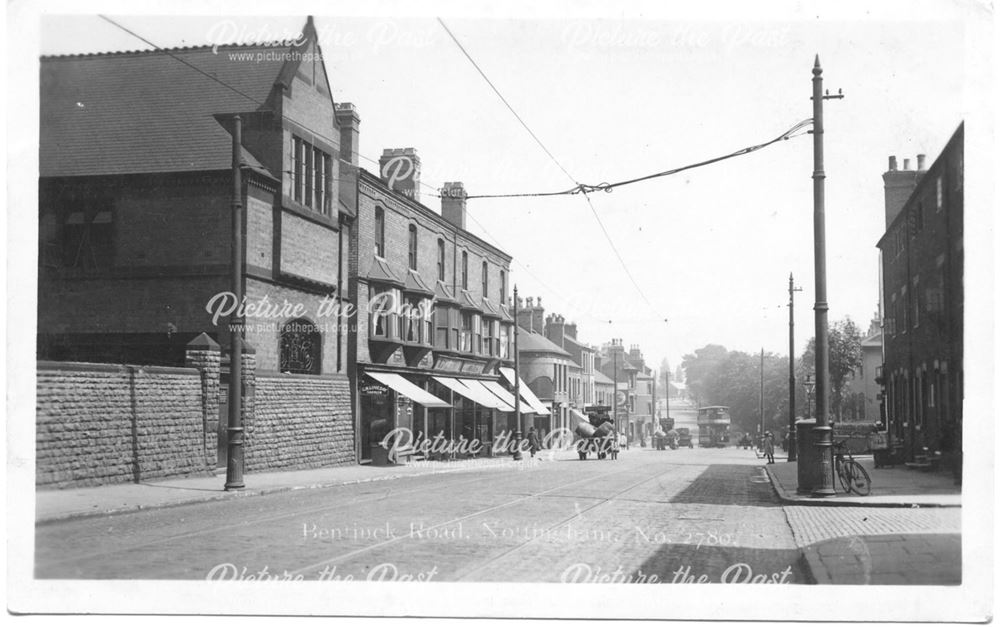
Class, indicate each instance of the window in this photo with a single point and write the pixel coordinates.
(477, 334)
(465, 270)
(491, 343)
(412, 322)
(87, 237)
(940, 194)
(440, 259)
(311, 175)
(380, 231)
(503, 287)
(465, 339)
(486, 280)
(413, 247)
(383, 314)
(300, 348)
(441, 322)
(504, 341)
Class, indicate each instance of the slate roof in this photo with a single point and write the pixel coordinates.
(146, 111)
(531, 342)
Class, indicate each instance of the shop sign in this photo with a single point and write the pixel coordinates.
(374, 389)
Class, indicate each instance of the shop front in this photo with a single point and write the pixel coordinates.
(389, 401)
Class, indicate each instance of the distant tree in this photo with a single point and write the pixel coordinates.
(845, 357)
(699, 370)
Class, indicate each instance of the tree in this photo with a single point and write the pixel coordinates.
(699, 370)
(845, 357)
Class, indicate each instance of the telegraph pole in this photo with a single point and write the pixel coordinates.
(614, 396)
(517, 384)
(822, 479)
(234, 431)
(762, 393)
(791, 366)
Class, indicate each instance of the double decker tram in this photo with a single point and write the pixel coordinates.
(713, 426)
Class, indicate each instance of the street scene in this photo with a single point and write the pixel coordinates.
(515, 302)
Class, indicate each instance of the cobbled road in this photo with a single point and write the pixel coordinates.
(650, 516)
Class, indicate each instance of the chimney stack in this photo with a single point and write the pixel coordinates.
(555, 328)
(399, 169)
(349, 123)
(899, 185)
(570, 330)
(524, 314)
(453, 203)
(538, 317)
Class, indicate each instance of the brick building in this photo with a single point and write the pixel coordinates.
(135, 229)
(922, 274)
(433, 348)
(545, 366)
(580, 392)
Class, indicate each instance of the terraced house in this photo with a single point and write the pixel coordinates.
(433, 351)
(135, 235)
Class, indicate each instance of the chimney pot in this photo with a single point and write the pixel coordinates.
(892, 163)
(920, 162)
(906, 164)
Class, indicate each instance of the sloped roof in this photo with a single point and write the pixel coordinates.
(531, 342)
(416, 284)
(600, 377)
(148, 111)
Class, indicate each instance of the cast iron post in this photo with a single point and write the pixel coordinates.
(234, 432)
(517, 384)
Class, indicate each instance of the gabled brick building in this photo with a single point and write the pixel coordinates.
(923, 294)
(135, 228)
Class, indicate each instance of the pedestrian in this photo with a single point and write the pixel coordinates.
(769, 447)
(623, 441)
(784, 442)
(615, 446)
(533, 441)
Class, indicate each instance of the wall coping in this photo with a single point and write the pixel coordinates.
(274, 374)
(82, 366)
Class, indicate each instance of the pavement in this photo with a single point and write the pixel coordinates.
(897, 486)
(80, 502)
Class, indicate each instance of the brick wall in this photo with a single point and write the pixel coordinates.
(300, 421)
(99, 424)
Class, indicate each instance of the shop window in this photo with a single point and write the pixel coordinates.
(301, 347)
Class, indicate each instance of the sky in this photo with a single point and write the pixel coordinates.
(619, 93)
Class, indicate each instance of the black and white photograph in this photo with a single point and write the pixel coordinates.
(436, 309)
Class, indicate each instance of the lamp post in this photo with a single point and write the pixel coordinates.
(234, 430)
(517, 385)
(821, 476)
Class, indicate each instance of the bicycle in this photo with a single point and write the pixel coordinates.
(853, 476)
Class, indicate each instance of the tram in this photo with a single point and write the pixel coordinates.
(713, 426)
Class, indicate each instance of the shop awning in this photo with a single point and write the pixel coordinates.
(505, 396)
(477, 395)
(526, 394)
(407, 389)
(481, 386)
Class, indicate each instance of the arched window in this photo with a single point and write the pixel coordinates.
(301, 347)
(465, 270)
(380, 231)
(503, 287)
(413, 247)
(440, 259)
(486, 280)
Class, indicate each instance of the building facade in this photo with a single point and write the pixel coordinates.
(136, 191)
(923, 294)
(434, 333)
(545, 366)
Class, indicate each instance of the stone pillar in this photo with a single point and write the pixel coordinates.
(204, 354)
(249, 372)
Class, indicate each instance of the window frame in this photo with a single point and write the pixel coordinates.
(380, 232)
(412, 246)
